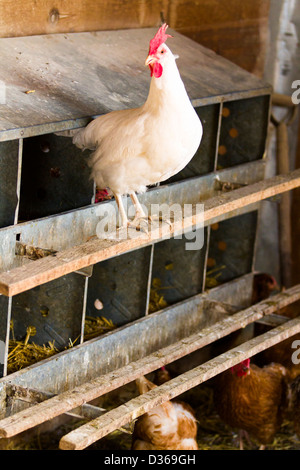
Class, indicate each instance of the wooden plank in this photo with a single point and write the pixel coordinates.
(85, 435)
(71, 399)
(64, 97)
(236, 30)
(44, 270)
(295, 210)
(64, 16)
(284, 207)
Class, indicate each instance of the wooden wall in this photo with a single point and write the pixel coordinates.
(236, 29)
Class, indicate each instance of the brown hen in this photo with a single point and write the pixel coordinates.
(252, 399)
(264, 285)
(283, 353)
(295, 404)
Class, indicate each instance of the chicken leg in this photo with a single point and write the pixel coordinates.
(122, 211)
(243, 434)
(139, 213)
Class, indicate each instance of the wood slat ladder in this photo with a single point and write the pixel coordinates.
(69, 400)
(43, 270)
(87, 434)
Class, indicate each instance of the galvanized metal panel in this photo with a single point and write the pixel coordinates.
(243, 131)
(231, 247)
(179, 270)
(121, 286)
(130, 342)
(5, 313)
(55, 177)
(54, 309)
(9, 153)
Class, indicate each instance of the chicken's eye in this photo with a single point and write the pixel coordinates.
(162, 51)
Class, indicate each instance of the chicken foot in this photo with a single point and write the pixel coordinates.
(243, 434)
(140, 214)
(139, 211)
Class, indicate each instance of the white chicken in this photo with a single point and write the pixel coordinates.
(136, 148)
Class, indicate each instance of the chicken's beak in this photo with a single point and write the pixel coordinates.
(150, 59)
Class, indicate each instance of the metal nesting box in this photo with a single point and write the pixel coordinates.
(59, 82)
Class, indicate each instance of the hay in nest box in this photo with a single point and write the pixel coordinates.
(96, 326)
(211, 279)
(22, 354)
(156, 300)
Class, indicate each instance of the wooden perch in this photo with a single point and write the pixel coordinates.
(283, 167)
(279, 99)
(284, 208)
(73, 259)
(87, 392)
(85, 435)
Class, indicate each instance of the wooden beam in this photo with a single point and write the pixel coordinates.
(284, 208)
(87, 392)
(61, 16)
(52, 267)
(85, 435)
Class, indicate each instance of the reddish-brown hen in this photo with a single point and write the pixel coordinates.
(264, 285)
(251, 399)
(295, 404)
(162, 375)
(170, 426)
(285, 353)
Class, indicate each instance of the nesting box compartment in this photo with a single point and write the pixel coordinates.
(54, 179)
(47, 203)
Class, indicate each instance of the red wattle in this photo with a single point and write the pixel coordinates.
(156, 69)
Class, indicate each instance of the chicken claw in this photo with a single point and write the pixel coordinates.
(136, 224)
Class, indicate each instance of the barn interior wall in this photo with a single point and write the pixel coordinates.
(282, 69)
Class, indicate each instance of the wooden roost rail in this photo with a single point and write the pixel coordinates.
(51, 267)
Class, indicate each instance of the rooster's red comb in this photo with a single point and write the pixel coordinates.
(159, 38)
